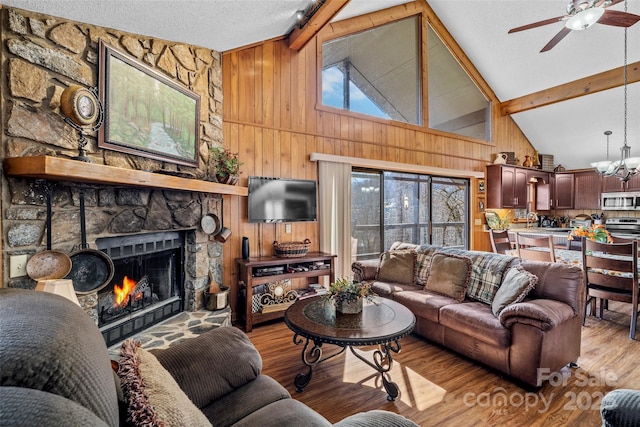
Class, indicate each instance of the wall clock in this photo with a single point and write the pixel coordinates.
(83, 112)
(80, 105)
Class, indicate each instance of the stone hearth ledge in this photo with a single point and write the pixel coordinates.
(178, 328)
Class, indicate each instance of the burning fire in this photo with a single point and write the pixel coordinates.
(121, 293)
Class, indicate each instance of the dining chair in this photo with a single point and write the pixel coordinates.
(535, 248)
(500, 241)
(611, 273)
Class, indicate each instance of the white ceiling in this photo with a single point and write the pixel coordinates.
(511, 63)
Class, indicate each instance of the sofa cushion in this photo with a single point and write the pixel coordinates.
(449, 275)
(211, 352)
(153, 396)
(397, 267)
(288, 412)
(388, 290)
(516, 285)
(423, 303)
(244, 400)
(20, 406)
(487, 271)
(476, 320)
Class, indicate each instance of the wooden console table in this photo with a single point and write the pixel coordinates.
(252, 273)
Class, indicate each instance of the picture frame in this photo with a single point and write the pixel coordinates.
(481, 186)
(146, 113)
(480, 205)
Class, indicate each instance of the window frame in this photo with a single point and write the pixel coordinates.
(358, 24)
(421, 178)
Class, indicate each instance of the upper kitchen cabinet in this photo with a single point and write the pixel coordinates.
(506, 187)
(587, 190)
(541, 182)
(633, 184)
(612, 183)
(564, 190)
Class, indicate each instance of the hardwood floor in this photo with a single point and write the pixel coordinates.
(439, 387)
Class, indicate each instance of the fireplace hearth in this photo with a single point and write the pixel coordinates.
(147, 285)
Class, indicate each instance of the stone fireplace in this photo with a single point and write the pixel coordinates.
(128, 197)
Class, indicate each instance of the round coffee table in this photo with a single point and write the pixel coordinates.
(382, 322)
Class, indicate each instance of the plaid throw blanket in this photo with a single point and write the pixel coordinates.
(487, 271)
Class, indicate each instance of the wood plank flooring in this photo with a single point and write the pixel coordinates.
(440, 388)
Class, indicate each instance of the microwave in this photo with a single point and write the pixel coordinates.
(620, 201)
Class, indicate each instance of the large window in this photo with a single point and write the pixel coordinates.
(375, 72)
(456, 105)
(420, 209)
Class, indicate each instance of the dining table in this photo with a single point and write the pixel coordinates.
(564, 256)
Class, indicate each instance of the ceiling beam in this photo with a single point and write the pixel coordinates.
(321, 17)
(585, 86)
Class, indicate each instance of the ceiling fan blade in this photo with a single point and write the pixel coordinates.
(618, 19)
(610, 2)
(537, 24)
(554, 41)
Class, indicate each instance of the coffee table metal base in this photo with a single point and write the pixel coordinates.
(382, 362)
(382, 323)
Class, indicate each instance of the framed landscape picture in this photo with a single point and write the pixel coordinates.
(146, 113)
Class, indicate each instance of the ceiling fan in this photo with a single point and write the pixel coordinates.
(581, 14)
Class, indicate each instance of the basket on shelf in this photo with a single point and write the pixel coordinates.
(292, 249)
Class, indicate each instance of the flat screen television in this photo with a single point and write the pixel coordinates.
(282, 199)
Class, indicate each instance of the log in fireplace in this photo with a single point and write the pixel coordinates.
(147, 285)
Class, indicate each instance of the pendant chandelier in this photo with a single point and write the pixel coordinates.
(627, 166)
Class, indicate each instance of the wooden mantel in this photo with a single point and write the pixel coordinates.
(59, 169)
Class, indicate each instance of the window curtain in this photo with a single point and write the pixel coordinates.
(335, 214)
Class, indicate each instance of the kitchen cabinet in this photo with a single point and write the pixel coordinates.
(633, 184)
(612, 183)
(542, 184)
(506, 187)
(587, 194)
(563, 190)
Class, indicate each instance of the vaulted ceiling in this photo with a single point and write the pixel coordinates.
(571, 130)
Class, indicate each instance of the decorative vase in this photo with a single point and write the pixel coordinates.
(527, 162)
(349, 307)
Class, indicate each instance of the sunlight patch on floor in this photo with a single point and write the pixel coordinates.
(415, 390)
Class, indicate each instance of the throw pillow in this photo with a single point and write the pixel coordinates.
(423, 262)
(449, 275)
(516, 285)
(153, 396)
(397, 267)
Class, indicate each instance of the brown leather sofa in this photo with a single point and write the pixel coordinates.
(527, 341)
(55, 370)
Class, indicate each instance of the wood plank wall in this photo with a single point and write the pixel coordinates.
(272, 117)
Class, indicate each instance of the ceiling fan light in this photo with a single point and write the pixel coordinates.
(584, 19)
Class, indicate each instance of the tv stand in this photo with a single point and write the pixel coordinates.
(258, 271)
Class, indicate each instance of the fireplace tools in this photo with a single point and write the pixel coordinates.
(92, 269)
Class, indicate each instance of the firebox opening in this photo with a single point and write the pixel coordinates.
(147, 285)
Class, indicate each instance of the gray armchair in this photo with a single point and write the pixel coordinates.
(621, 408)
(55, 370)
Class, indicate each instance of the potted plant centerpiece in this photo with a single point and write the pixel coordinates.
(347, 296)
(596, 232)
(225, 165)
